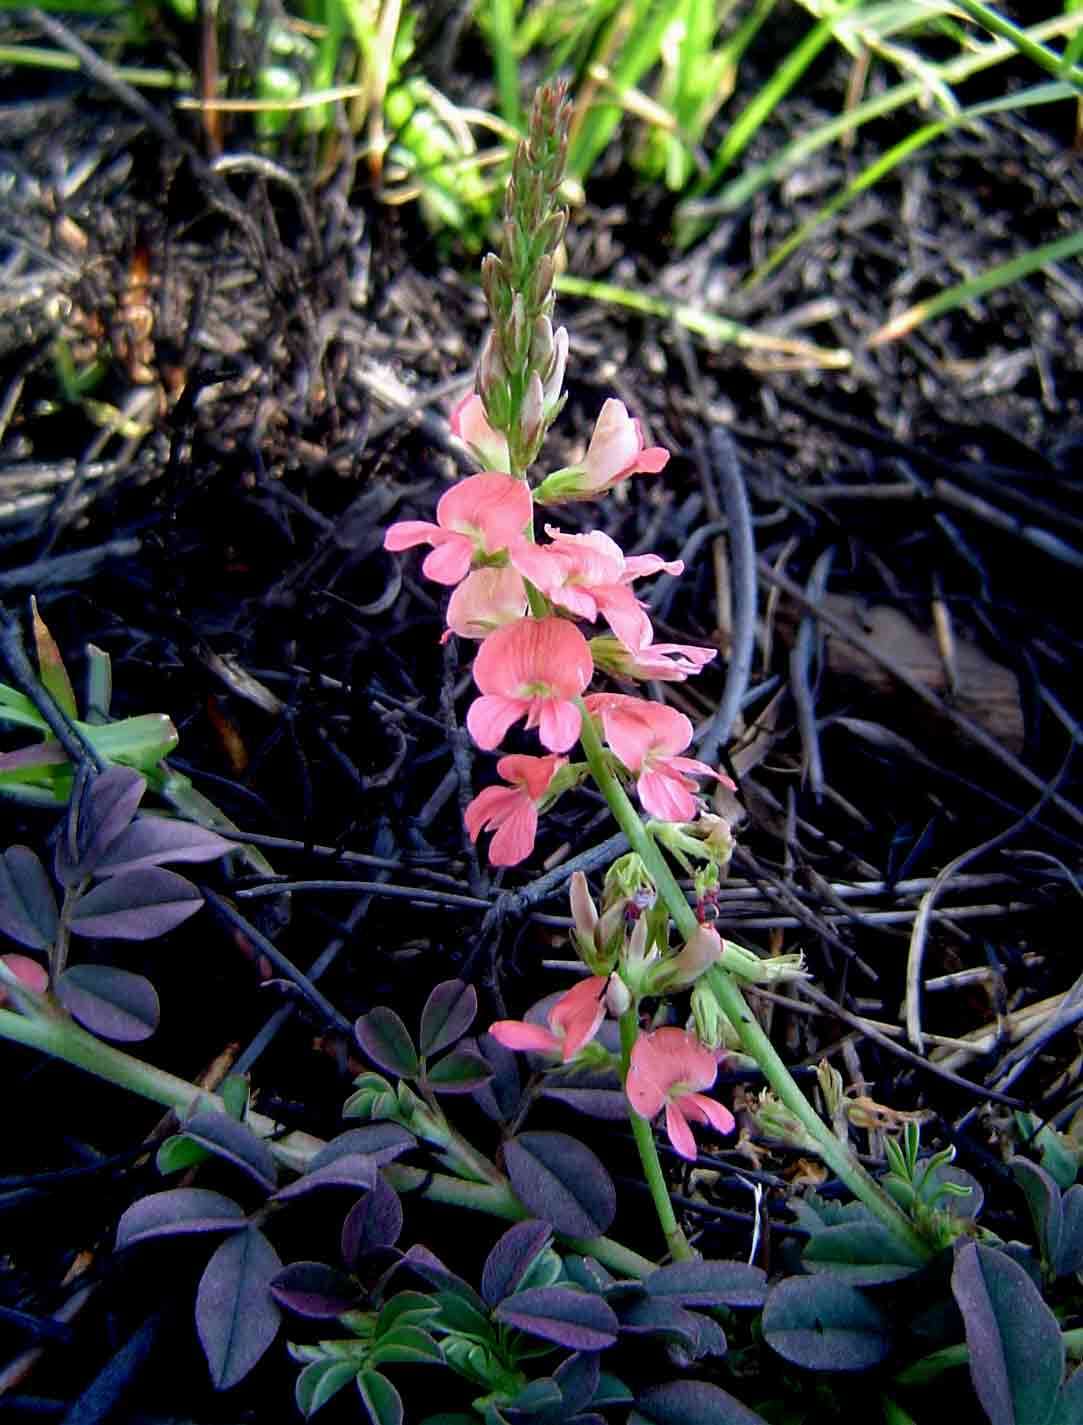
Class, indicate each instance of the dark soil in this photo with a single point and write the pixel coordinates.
(285, 351)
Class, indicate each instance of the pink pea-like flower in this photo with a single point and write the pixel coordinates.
(588, 574)
(532, 669)
(469, 422)
(573, 1021)
(649, 738)
(486, 600)
(512, 812)
(477, 518)
(669, 1068)
(655, 662)
(616, 451)
(28, 972)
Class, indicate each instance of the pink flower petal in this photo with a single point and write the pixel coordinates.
(491, 808)
(514, 840)
(486, 600)
(405, 534)
(515, 1034)
(27, 972)
(577, 1015)
(491, 507)
(533, 773)
(488, 718)
(701, 1109)
(678, 1131)
(559, 725)
(534, 658)
(450, 559)
(666, 795)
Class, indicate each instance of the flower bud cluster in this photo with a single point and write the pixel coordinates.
(521, 371)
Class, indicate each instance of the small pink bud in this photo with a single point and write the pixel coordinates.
(618, 997)
(584, 911)
(532, 415)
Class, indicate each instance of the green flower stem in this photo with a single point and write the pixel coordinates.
(643, 1134)
(63, 1039)
(502, 1202)
(755, 1042)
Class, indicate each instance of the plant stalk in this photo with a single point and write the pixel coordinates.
(756, 1043)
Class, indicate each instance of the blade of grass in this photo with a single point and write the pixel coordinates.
(989, 281)
(1021, 40)
(745, 186)
(41, 57)
(898, 154)
(797, 355)
(505, 60)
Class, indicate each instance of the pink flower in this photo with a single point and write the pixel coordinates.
(573, 1021)
(616, 451)
(588, 575)
(485, 600)
(512, 812)
(668, 1068)
(656, 662)
(532, 669)
(477, 518)
(647, 737)
(489, 447)
(28, 972)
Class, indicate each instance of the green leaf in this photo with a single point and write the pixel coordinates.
(408, 1345)
(825, 1324)
(319, 1381)
(51, 670)
(179, 1153)
(862, 1253)
(380, 1398)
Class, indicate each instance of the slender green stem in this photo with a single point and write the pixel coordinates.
(643, 1134)
(63, 1039)
(755, 1041)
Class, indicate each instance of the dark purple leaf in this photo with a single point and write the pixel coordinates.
(386, 1040)
(578, 1380)
(825, 1324)
(427, 1265)
(459, 1072)
(136, 905)
(655, 1317)
(1069, 1406)
(862, 1253)
(154, 840)
(371, 1224)
(690, 1402)
(351, 1171)
(608, 1104)
(712, 1339)
(95, 819)
(499, 1098)
(28, 910)
(113, 1003)
(560, 1180)
(380, 1398)
(1043, 1199)
(1016, 1349)
(313, 1289)
(557, 1313)
(165, 1214)
(732, 1284)
(382, 1142)
(449, 1012)
(589, 1274)
(236, 1316)
(226, 1138)
(512, 1257)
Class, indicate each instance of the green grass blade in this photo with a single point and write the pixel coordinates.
(41, 57)
(1054, 92)
(1020, 40)
(745, 186)
(791, 354)
(505, 62)
(989, 281)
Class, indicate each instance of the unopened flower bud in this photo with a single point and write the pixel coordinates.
(516, 334)
(584, 911)
(542, 347)
(551, 233)
(494, 283)
(703, 950)
(618, 997)
(625, 877)
(774, 1120)
(492, 383)
(532, 418)
(635, 949)
(609, 936)
(553, 377)
(541, 286)
(712, 1027)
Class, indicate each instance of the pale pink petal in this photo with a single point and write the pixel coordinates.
(470, 424)
(515, 1034)
(694, 768)
(486, 600)
(678, 1131)
(450, 559)
(701, 1109)
(577, 1015)
(405, 534)
(579, 602)
(532, 773)
(594, 557)
(638, 566)
(514, 840)
(488, 719)
(538, 563)
(651, 460)
(491, 507)
(629, 727)
(522, 658)
(625, 615)
(614, 445)
(666, 795)
(490, 808)
(559, 725)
